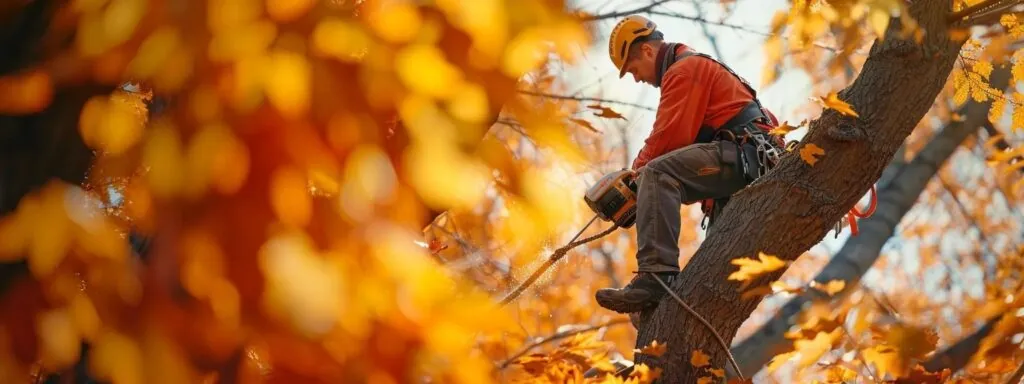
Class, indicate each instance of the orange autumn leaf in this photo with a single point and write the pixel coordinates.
(919, 375)
(585, 124)
(718, 372)
(704, 380)
(810, 153)
(606, 112)
(654, 349)
(785, 128)
(644, 374)
(833, 102)
(699, 359)
(756, 292)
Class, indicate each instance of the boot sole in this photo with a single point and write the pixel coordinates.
(620, 306)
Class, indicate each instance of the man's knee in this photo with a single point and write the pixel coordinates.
(693, 155)
(652, 176)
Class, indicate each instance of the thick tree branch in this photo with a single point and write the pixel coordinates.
(897, 193)
(956, 356)
(897, 86)
(984, 12)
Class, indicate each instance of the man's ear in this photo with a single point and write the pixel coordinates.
(648, 51)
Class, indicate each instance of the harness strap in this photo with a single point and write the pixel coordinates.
(750, 113)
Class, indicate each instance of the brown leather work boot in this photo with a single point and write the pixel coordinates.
(641, 293)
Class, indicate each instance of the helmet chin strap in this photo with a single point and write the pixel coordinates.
(666, 56)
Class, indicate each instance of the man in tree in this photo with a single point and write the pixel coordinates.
(693, 153)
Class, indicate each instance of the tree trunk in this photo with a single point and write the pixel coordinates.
(793, 207)
(897, 191)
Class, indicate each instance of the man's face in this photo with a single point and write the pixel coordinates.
(640, 63)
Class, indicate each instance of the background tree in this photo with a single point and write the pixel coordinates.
(341, 191)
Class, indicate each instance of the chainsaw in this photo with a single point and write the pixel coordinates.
(613, 198)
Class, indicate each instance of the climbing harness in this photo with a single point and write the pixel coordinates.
(753, 143)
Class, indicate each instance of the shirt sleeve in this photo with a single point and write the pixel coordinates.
(680, 116)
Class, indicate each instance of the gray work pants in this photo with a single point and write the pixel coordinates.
(689, 174)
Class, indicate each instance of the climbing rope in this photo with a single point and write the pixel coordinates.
(721, 341)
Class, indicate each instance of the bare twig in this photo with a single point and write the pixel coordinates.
(707, 31)
(559, 336)
(966, 214)
(614, 14)
(727, 25)
(585, 99)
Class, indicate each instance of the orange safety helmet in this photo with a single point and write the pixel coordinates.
(623, 35)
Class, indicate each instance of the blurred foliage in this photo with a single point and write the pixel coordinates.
(336, 191)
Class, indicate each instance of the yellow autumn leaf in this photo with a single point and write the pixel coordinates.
(779, 286)
(604, 366)
(961, 88)
(810, 153)
(1017, 117)
(841, 374)
(653, 349)
(778, 360)
(812, 350)
(750, 268)
(912, 342)
(831, 288)
(699, 359)
(983, 68)
(645, 374)
(885, 361)
(1017, 70)
(833, 102)
(996, 111)
(878, 18)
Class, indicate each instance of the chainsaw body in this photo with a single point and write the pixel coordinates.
(613, 198)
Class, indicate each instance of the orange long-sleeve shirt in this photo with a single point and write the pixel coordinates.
(694, 92)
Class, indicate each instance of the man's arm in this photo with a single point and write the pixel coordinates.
(680, 115)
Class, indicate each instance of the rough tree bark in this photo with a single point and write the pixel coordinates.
(37, 147)
(793, 207)
(898, 190)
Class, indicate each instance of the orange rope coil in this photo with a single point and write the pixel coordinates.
(855, 213)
